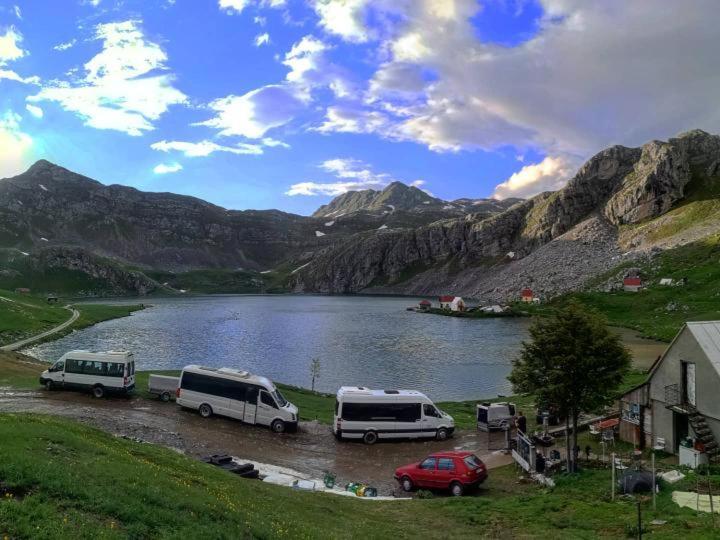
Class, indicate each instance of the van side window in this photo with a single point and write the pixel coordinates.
(446, 464)
(429, 464)
(267, 400)
(115, 370)
(430, 410)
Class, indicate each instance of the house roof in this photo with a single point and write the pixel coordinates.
(707, 335)
(447, 298)
(526, 292)
(425, 302)
(632, 281)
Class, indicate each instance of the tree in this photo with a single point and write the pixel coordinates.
(573, 362)
(314, 371)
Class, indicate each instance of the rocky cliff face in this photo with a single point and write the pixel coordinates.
(617, 186)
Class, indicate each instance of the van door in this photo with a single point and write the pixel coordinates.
(267, 409)
(250, 411)
(431, 417)
(408, 420)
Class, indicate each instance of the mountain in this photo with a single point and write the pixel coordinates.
(53, 220)
(398, 197)
(617, 207)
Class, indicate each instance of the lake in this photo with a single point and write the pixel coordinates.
(366, 341)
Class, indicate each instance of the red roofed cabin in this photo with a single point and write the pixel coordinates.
(632, 284)
(424, 305)
(526, 295)
(453, 303)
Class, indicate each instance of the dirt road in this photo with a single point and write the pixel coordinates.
(312, 450)
(74, 314)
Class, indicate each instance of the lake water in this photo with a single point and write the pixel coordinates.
(367, 341)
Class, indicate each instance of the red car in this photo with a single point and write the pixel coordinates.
(457, 471)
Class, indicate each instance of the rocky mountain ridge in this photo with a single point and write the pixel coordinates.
(556, 241)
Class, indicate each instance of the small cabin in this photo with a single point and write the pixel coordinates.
(632, 284)
(453, 303)
(527, 295)
(424, 305)
(22, 290)
(52, 299)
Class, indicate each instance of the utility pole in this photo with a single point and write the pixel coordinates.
(612, 465)
(654, 486)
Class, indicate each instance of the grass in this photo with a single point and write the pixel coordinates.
(62, 479)
(23, 315)
(660, 311)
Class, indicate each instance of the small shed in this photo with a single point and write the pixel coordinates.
(632, 284)
(424, 305)
(667, 281)
(22, 290)
(527, 295)
(52, 299)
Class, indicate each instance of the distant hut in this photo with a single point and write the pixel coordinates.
(445, 301)
(424, 305)
(527, 295)
(632, 284)
(52, 299)
(22, 290)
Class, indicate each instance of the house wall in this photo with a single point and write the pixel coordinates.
(707, 381)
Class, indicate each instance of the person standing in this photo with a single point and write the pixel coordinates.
(521, 422)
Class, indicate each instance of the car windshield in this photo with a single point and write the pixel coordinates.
(473, 461)
(279, 398)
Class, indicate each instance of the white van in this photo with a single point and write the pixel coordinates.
(237, 394)
(101, 372)
(362, 413)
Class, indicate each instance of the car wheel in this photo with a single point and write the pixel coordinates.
(457, 490)
(278, 426)
(98, 391)
(49, 385)
(370, 437)
(442, 434)
(165, 396)
(205, 410)
(406, 483)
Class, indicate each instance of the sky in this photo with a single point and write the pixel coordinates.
(288, 103)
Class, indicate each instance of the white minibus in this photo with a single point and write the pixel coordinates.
(362, 413)
(237, 394)
(100, 372)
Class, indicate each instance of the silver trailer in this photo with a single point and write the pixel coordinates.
(163, 386)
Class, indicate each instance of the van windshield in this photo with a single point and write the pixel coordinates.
(279, 398)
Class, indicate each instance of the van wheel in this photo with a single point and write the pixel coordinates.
(98, 391)
(457, 490)
(165, 396)
(278, 426)
(49, 386)
(205, 410)
(370, 437)
(442, 434)
(406, 483)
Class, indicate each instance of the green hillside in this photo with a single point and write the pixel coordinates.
(659, 311)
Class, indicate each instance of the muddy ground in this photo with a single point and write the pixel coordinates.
(312, 450)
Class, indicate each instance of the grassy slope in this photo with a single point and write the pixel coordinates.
(26, 315)
(647, 311)
(65, 480)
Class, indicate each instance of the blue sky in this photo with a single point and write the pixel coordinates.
(287, 103)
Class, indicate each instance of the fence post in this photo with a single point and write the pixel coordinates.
(612, 465)
(654, 486)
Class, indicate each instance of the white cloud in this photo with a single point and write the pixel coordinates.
(268, 141)
(37, 112)
(346, 119)
(15, 145)
(66, 45)
(17, 11)
(237, 6)
(10, 46)
(13, 76)
(351, 175)
(551, 174)
(255, 113)
(344, 18)
(123, 88)
(262, 39)
(205, 148)
(167, 168)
